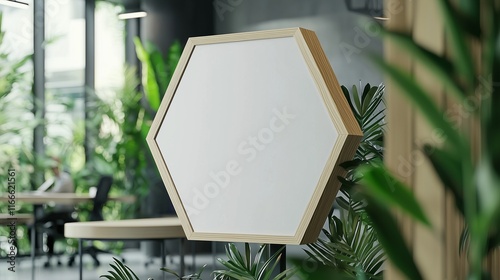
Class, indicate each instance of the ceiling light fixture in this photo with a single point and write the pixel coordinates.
(132, 14)
(373, 8)
(14, 3)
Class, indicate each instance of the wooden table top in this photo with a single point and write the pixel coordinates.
(153, 228)
(6, 219)
(60, 198)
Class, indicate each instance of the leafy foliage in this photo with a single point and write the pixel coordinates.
(156, 70)
(351, 246)
(193, 276)
(243, 268)
(470, 79)
(16, 118)
(123, 121)
(17, 122)
(120, 272)
(369, 111)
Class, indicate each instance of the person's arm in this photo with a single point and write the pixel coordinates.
(63, 184)
(46, 185)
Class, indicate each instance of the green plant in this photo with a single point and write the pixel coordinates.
(156, 71)
(120, 271)
(122, 122)
(243, 268)
(16, 118)
(473, 184)
(136, 113)
(351, 246)
(17, 122)
(193, 276)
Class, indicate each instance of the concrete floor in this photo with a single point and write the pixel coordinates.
(135, 259)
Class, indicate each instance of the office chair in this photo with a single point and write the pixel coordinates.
(100, 199)
(54, 230)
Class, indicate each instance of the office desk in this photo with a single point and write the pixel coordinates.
(133, 229)
(6, 219)
(61, 198)
(55, 198)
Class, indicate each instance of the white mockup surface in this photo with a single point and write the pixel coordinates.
(246, 126)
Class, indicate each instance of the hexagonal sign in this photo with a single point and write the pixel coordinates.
(249, 136)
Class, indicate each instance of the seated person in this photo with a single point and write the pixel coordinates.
(60, 183)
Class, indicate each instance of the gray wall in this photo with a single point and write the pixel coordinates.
(342, 33)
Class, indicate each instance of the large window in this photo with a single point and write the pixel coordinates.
(64, 77)
(110, 47)
(16, 117)
(65, 71)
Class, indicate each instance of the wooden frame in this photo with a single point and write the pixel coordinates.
(220, 87)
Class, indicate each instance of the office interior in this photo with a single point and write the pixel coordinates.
(80, 95)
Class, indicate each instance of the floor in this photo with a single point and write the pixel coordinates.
(135, 259)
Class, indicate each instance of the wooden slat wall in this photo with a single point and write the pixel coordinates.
(399, 116)
(436, 251)
(428, 30)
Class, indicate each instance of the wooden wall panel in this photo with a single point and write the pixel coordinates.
(436, 251)
(399, 118)
(428, 30)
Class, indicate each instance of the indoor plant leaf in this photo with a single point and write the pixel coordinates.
(423, 102)
(150, 85)
(381, 185)
(448, 168)
(439, 66)
(392, 240)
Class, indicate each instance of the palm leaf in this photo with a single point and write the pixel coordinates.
(387, 189)
(260, 268)
(391, 239)
(448, 168)
(423, 102)
(120, 272)
(149, 82)
(439, 66)
(459, 42)
(351, 246)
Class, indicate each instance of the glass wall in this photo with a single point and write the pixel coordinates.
(65, 72)
(64, 75)
(16, 71)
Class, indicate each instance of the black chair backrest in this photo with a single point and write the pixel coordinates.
(101, 197)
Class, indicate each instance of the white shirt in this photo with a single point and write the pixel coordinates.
(63, 184)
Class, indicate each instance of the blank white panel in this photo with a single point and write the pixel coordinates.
(246, 137)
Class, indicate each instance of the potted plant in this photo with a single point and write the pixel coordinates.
(351, 245)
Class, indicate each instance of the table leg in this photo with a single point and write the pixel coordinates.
(80, 257)
(163, 263)
(194, 257)
(214, 251)
(33, 249)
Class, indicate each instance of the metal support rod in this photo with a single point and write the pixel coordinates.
(182, 241)
(33, 251)
(38, 86)
(194, 257)
(214, 252)
(80, 257)
(89, 71)
(273, 248)
(163, 263)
